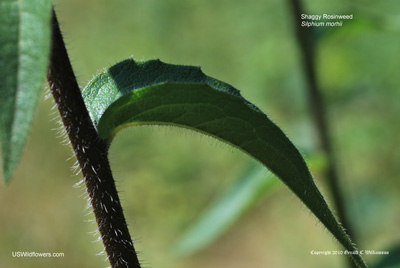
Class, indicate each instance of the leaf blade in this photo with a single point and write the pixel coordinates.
(24, 49)
(133, 93)
(391, 260)
(232, 203)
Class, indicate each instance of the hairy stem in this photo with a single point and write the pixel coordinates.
(318, 111)
(91, 153)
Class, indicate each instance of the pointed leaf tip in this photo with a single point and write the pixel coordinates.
(24, 50)
(152, 92)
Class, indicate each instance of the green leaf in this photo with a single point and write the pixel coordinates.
(152, 92)
(229, 206)
(24, 52)
(392, 260)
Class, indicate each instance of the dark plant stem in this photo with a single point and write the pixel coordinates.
(91, 153)
(318, 111)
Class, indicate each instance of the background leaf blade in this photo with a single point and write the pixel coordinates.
(230, 205)
(24, 50)
(233, 202)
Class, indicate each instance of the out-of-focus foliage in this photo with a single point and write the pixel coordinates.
(229, 206)
(251, 45)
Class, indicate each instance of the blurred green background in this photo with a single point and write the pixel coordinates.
(166, 176)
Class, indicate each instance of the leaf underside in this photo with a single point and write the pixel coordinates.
(24, 50)
(152, 92)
